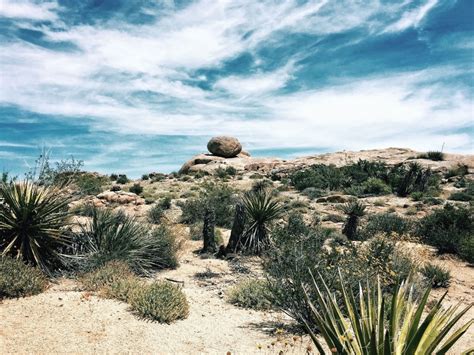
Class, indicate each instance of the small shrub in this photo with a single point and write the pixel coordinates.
(136, 189)
(432, 155)
(155, 214)
(122, 179)
(448, 229)
(145, 177)
(220, 197)
(19, 280)
(86, 210)
(406, 179)
(113, 177)
(466, 249)
(106, 275)
(226, 172)
(458, 170)
(386, 224)
(460, 196)
(165, 203)
(436, 275)
(160, 301)
(261, 185)
(375, 186)
(313, 193)
(89, 184)
(251, 293)
(121, 288)
(417, 195)
(353, 210)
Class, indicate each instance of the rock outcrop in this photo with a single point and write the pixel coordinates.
(121, 197)
(223, 146)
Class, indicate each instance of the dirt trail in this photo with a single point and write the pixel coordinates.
(63, 320)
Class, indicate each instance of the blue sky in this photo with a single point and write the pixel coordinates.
(140, 86)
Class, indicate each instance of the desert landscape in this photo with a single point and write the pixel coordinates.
(235, 297)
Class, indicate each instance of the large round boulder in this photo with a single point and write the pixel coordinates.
(223, 146)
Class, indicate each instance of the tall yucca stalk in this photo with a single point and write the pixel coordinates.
(261, 208)
(367, 327)
(32, 221)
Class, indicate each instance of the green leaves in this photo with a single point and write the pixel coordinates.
(365, 327)
(32, 221)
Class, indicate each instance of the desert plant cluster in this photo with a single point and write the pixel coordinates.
(332, 251)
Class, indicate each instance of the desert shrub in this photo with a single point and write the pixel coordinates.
(225, 172)
(155, 214)
(145, 177)
(136, 189)
(448, 229)
(113, 236)
(19, 280)
(323, 177)
(386, 224)
(298, 248)
(32, 223)
(375, 186)
(165, 203)
(436, 275)
(219, 197)
(160, 301)
(332, 217)
(122, 179)
(466, 249)
(113, 177)
(195, 231)
(460, 196)
(374, 323)
(458, 170)
(432, 155)
(313, 193)
(353, 211)
(251, 293)
(406, 179)
(106, 275)
(89, 184)
(260, 185)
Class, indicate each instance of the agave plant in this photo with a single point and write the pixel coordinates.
(261, 209)
(116, 236)
(353, 210)
(32, 221)
(371, 327)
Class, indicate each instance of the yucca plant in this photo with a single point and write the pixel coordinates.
(261, 208)
(353, 210)
(116, 236)
(32, 221)
(375, 325)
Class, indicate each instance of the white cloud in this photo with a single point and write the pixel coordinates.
(412, 18)
(23, 9)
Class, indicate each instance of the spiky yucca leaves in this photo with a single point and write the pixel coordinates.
(114, 236)
(375, 325)
(353, 210)
(32, 221)
(261, 208)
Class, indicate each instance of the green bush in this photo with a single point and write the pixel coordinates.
(449, 229)
(33, 221)
(251, 293)
(458, 170)
(313, 193)
(136, 189)
(160, 301)
(298, 248)
(155, 214)
(113, 177)
(89, 184)
(145, 177)
(386, 224)
(106, 275)
(19, 280)
(122, 179)
(220, 197)
(436, 275)
(432, 155)
(407, 179)
(226, 172)
(460, 196)
(375, 186)
(165, 203)
(114, 236)
(466, 249)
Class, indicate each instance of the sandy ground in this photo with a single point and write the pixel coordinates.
(64, 320)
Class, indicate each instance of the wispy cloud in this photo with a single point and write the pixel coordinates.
(286, 73)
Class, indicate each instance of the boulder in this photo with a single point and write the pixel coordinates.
(223, 146)
(121, 197)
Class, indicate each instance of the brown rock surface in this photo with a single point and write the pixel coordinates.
(223, 146)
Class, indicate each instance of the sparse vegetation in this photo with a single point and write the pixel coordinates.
(436, 275)
(19, 280)
(122, 179)
(353, 211)
(136, 189)
(432, 155)
(388, 224)
(251, 293)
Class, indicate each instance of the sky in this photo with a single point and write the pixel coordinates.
(134, 86)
